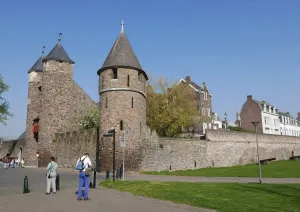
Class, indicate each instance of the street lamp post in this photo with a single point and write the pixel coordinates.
(225, 117)
(113, 134)
(255, 123)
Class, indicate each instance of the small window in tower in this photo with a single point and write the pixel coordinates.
(140, 77)
(128, 80)
(105, 102)
(36, 129)
(40, 88)
(102, 82)
(131, 102)
(140, 127)
(121, 125)
(115, 73)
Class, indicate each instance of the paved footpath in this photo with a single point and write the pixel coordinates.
(102, 199)
(65, 200)
(170, 178)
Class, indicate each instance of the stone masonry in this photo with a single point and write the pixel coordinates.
(56, 101)
(122, 90)
(220, 149)
(33, 113)
(68, 147)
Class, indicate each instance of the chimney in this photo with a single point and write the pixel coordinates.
(188, 79)
(249, 97)
(298, 117)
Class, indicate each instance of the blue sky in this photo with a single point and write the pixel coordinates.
(237, 47)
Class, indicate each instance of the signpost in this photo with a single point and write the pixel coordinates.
(123, 145)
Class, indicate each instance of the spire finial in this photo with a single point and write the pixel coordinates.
(122, 30)
(59, 37)
(43, 52)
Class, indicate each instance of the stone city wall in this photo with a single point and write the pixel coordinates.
(72, 145)
(12, 148)
(221, 148)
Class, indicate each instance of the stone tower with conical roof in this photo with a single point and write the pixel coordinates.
(122, 90)
(55, 102)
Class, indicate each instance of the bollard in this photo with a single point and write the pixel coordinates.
(26, 186)
(121, 171)
(107, 174)
(94, 182)
(117, 173)
(57, 182)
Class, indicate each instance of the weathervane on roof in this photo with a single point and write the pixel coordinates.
(43, 51)
(59, 37)
(122, 30)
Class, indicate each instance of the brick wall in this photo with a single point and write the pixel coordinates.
(251, 112)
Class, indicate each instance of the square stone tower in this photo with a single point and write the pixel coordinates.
(55, 102)
(122, 90)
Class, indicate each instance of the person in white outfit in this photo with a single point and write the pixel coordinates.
(82, 164)
(51, 176)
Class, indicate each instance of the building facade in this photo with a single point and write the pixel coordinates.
(260, 111)
(122, 90)
(204, 104)
(289, 125)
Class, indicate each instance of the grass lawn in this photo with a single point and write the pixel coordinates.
(221, 196)
(276, 169)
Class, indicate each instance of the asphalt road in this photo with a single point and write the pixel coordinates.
(12, 180)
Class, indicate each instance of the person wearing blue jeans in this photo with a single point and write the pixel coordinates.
(82, 164)
(83, 180)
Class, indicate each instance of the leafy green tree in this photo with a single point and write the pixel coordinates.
(170, 109)
(4, 105)
(90, 119)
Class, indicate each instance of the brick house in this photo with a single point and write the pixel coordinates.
(204, 104)
(263, 112)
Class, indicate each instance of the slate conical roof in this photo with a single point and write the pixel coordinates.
(38, 66)
(58, 53)
(122, 55)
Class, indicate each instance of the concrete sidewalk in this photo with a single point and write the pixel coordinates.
(102, 199)
(170, 178)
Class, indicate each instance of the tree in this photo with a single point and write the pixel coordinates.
(90, 119)
(4, 105)
(170, 109)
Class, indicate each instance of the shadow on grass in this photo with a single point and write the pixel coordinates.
(275, 190)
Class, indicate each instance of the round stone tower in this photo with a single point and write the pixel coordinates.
(122, 90)
(33, 111)
(57, 104)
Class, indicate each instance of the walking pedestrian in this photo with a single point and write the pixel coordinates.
(83, 165)
(22, 163)
(51, 176)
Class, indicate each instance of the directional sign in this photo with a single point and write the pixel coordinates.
(123, 142)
